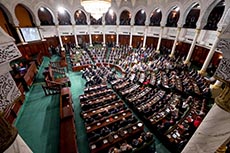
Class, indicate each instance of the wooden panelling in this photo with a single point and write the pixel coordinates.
(124, 39)
(151, 41)
(167, 43)
(182, 49)
(97, 39)
(137, 41)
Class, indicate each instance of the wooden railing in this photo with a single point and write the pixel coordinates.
(68, 143)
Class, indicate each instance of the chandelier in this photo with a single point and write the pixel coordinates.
(96, 7)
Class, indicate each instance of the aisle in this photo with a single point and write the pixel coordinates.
(77, 88)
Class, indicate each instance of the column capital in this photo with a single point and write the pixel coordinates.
(179, 28)
(198, 30)
(219, 34)
(223, 100)
(187, 62)
(202, 72)
(171, 56)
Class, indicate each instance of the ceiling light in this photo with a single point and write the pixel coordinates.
(61, 10)
(177, 9)
(158, 10)
(42, 9)
(111, 12)
(142, 11)
(96, 7)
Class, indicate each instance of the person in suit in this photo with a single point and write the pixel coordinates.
(126, 148)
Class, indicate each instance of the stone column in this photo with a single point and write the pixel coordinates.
(214, 129)
(145, 36)
(20, 36)
(202, 71)
(59, 37)
(187, 61)
(103, 36)
(131, 37)
(159, 40)
(75, 36)
(175, 42)
(117, 37)
(90, 37)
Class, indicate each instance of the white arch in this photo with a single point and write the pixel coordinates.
(153, 10)
(168, 9)
(136, 10)
(9, 15)
(28, 6)
(207, 7)
(124, 9)
(49, 8)
(186, 9)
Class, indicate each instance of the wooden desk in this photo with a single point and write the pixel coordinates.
(116, 138)
(105, 122)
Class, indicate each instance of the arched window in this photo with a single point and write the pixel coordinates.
(173, 17)
(63, 17)
(110, 18)
(155, 18)
(45, 16)
(24, 17)
(192, 17)
(215, 16)
(140, 17)
(125, 18)
(80, 18)
(6, 25)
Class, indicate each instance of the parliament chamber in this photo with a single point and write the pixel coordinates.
(115, 76)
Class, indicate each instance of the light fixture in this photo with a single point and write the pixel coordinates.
(177, 9)
(42, 9)
(142, 11)
(61, 10)
(158, 10)
(96, 7)
(111, 12)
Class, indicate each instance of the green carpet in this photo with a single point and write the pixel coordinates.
(38, 121)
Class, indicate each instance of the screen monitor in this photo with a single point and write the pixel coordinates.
(30, 34)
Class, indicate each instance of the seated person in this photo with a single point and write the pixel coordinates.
(125, 148)
(148, 136)
(114, 150)
(197, 121)
(136, 143)
(93, 136)
(123, 122)
(89, 120)
(132, 120)
(104, 131)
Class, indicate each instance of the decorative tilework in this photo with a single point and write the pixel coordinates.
(223, 70)
(8, 53)
(8, 90)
